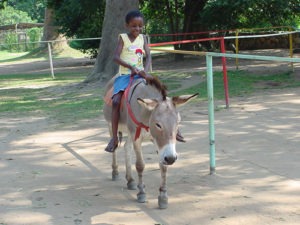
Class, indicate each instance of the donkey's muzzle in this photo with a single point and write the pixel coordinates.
(169, 160)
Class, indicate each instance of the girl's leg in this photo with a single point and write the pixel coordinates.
(113, 143)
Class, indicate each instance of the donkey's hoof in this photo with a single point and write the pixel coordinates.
(115, 176)
(141, 197)
(131, 185)
(162, 202)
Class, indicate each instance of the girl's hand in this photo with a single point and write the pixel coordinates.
(143, 74)
(134, 71)
(146, 76)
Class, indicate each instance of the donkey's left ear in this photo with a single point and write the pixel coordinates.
(182, 99)
(149, 104)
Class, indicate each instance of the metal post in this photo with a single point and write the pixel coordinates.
(225, 78)
(237, 49)
(210, 95)
(149, 42)
(291, 48)
(50, 60)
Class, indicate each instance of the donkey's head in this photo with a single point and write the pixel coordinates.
(163, 124)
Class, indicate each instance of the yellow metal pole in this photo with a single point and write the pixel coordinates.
(291, 47)
(237, 49)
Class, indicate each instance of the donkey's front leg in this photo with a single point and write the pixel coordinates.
(140, 165)
(163, 196)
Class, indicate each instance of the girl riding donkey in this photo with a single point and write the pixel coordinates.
(129, 55)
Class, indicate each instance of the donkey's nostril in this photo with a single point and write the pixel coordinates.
(170, 160)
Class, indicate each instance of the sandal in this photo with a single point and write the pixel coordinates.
(112, 146)
(179, 137)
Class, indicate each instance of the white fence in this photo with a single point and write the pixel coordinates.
(49, 48)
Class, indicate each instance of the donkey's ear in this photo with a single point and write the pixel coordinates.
(182, 99)
(149, 104)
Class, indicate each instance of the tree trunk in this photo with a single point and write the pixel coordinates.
(51, 32)
(113, 24)
(191, 14)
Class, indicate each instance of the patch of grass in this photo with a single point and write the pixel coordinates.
(32, 56)
(240, 83)
(41, 95)
(23, 94)
(6, 56)
(172, 79)
(39, 54)
(18, 80)
(71, 110)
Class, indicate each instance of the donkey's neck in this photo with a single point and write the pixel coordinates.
(143, 91)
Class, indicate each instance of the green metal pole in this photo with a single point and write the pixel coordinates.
(210, 95)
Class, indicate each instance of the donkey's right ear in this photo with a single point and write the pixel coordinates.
(148, 103)
(181, 100)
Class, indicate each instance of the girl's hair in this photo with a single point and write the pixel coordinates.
(133, 14)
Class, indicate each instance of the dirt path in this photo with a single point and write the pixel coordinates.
(53, 175)
(63, 176)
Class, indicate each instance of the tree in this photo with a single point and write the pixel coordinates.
(113, 24)
(51, 31)
(34, 8)
(191, 22)
(186, 16)
(9, 15)
(2, 3)
(82, 20)
(181, 16)
(248, 14)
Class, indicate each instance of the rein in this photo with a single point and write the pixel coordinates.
(140, 125)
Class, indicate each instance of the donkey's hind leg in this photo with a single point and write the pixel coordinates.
(131, 185)
(115, 171)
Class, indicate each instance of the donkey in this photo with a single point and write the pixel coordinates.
(145, 107)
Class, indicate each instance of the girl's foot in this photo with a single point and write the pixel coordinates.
(179, 137)
(112, 145)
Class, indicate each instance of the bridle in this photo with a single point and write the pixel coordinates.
(140, 125)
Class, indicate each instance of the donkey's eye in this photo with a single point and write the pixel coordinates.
(158, 125)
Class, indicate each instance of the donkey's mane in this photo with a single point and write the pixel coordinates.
(159, 86)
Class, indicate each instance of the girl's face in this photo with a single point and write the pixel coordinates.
(135, 26)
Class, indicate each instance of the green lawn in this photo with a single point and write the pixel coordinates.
(60, 99)
(5, 55)
(240, 83)
(54, 98)
(38, 54)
